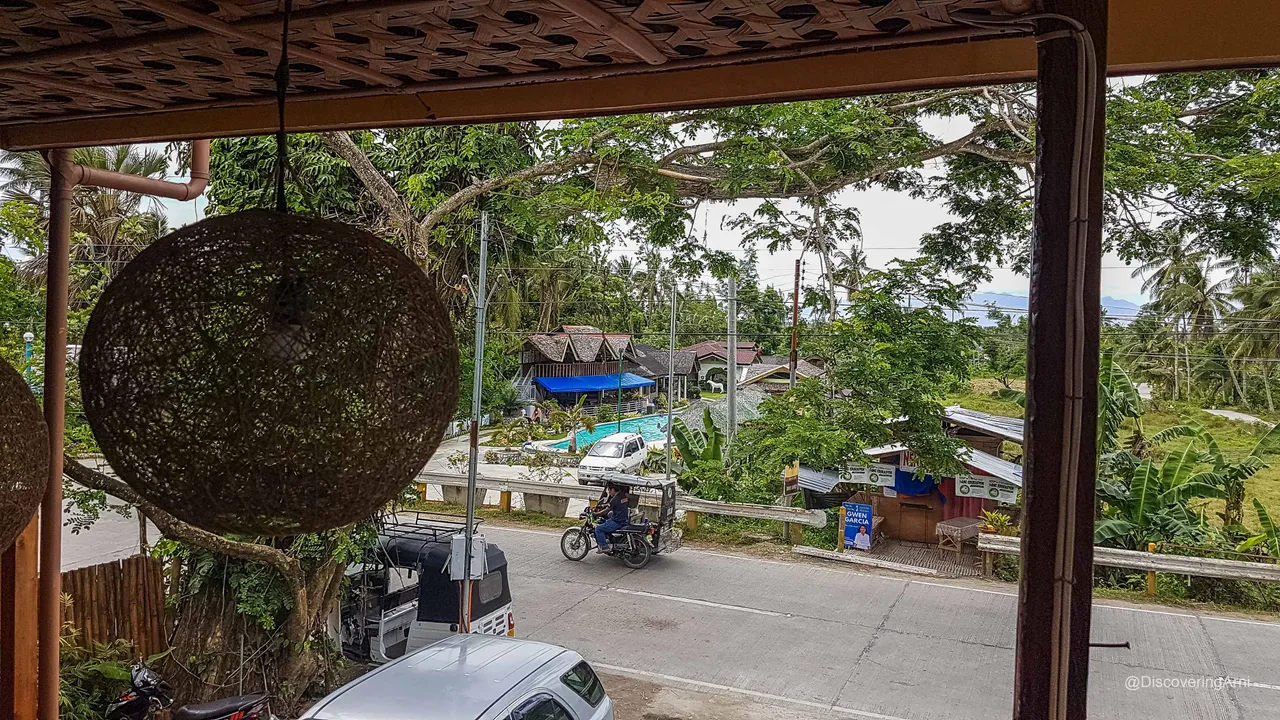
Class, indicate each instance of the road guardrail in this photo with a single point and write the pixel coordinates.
(797, 516)
(1151, 562)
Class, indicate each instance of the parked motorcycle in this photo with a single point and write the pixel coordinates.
(148, 693)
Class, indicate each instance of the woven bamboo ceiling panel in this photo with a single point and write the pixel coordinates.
(78, 58)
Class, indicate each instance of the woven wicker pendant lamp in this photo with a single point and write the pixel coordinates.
(268, 374)
(24, 455)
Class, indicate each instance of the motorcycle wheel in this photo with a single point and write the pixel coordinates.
(637, 556)
(575, 544)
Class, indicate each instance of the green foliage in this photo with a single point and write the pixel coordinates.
(1000, 522)
(569, 419)
(1118, 402)
(542, 467)
(894, 365)
(606, 414)
(260, 593)
(1004, 348)
(92, 676)
(1268, 538)
(701, 451)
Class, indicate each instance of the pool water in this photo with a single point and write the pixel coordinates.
(650, 427)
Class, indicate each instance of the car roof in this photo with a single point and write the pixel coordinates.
(457, 678)
(620, 437)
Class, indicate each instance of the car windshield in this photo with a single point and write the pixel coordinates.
(606, 449)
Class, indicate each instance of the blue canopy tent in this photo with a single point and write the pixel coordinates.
(566, 389)
(592, 383)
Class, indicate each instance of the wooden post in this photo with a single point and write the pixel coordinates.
(1151, 574)
(504, 500)
(691, 520)
(840, 531)
(18, 598)
(1051, 663)
(988, 564)
(795, 533)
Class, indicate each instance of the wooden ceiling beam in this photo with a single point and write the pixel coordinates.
(79, 88)
(194, 18)
(607, 23)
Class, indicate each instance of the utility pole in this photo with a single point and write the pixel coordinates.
(618, 411)
(671, 374)
(795, 323)
(480, 290)
(733, 358)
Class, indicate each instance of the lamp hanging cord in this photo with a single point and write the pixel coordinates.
(282, 89)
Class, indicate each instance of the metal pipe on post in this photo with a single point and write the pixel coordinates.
(61, 187)
(732, 359)
(795, 324)
(671, 374)
(477, 386)
(618, 410)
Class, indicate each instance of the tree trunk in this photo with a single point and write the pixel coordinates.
(217, 651)
(1233, 514)
(1266, 384)
(1235, 383)
(144, 547)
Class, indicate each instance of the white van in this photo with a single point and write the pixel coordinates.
(620, 452)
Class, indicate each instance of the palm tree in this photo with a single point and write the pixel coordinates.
(848, 269)
(569, 418)
(1178, 281)
(108, 227)
(1253, 331)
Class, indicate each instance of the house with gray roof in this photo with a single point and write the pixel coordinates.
(653, 364)
(583, 360)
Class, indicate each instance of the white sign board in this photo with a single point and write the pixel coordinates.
(855, 474)
(881, 474)
(987, 488)
(971, 486)
(1002, 491)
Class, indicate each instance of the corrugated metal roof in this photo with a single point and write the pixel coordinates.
(1006, 428)
(996, 467)
(883, 450)
(822, 481)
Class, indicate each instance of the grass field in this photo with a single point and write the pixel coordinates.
(1235, 438)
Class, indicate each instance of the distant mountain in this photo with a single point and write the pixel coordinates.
(1016, 305)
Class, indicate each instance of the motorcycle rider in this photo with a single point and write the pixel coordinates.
(616, 507)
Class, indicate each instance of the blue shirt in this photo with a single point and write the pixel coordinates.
(619, 511)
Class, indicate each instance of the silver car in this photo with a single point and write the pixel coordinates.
(474, 677)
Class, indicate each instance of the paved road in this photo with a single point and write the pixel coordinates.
(111, 537)
(818, 641)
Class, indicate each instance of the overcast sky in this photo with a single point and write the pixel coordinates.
(892, 224)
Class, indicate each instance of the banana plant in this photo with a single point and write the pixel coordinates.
(698, 445)
(1145, 501)
(1227, 478)
(1268, 538)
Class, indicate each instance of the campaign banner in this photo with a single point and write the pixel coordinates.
(857, 526)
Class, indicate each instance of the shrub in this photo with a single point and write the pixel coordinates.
(458, 460)
(491, 457)
(606, 414)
